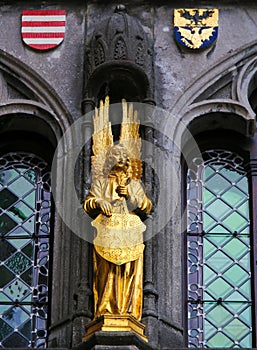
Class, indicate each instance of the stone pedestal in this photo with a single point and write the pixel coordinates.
(112, 340)
(115, 323)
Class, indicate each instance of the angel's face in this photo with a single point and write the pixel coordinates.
(118, 157)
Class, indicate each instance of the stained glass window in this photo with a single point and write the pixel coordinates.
(24, 250)
(218, 251)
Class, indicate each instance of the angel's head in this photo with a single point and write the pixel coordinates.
(117, 158)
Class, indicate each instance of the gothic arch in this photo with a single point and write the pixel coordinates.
(37, 86)
(246, 84)
(235, 70)
(41, 112)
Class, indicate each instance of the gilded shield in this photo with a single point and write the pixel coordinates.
(196, 28)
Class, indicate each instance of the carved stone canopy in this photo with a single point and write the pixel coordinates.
(119, 50)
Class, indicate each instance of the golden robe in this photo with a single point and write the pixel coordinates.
(118, 270)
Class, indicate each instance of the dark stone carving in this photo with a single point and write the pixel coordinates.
(119, 50)
(139, 59)
(119, 37)
(99, 54)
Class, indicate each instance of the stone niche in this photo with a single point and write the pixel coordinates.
(118, 60)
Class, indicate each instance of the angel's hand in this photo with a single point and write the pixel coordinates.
(105, 207)
(122, 191)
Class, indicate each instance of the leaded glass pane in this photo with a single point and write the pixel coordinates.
(24, 221)
(219, 278)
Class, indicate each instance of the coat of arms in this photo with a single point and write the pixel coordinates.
(43, 29)
(196, 28)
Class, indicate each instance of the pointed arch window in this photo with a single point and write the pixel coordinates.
(219, 301)
(24, 250)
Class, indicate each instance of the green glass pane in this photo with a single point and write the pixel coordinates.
(30, 199)
(6, 224)
(219, 288)
(246, 289)
(27, 299)
(208, 275)
(19, 243)
(218, 209)
(236, 248)
(17, 290)
(236, 222)
(236, 329)
(236, 296)
(208, 171)
(245, 262)
(208, 222)
(219, 261)
(219, 229)
(245, 314)
(4, 298)
(218, 315)
(207, 197)
(217, 184)
(209, 248)
(29, 225)
(234, 196)
(5, 330)
(243, 184)
(18, 263)
(15, 316)
(236, 275)
(4, 308)
(235, 308)
(20, 212)
(21, 186)
(7, 198)
(5, 276)
(230, 174)
(247, 341)
(218, 241)
(219, 340)
(8, 175)
(6, 250)
(30, 175)
(244, 209)
(19, 231)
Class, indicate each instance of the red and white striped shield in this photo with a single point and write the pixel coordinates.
(43, 29)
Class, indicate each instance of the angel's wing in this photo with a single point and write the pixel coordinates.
(129, 133)
(130, 138)
(102, 137)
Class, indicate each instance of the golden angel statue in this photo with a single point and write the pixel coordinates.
(117, 202)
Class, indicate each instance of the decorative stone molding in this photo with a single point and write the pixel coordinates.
(237, 70)
(35, 86)
(246, 82)
(33, 114)
(213, 115)
(3, 89)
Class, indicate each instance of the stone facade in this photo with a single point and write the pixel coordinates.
(210, 89)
